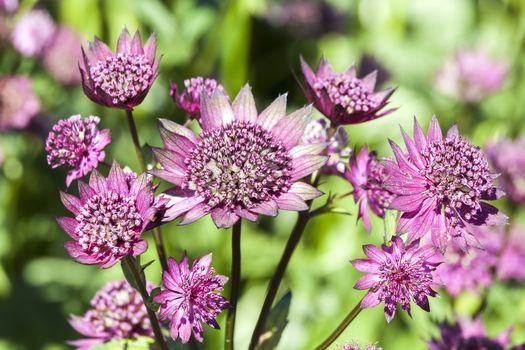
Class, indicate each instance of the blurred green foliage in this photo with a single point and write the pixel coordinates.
(236, 41)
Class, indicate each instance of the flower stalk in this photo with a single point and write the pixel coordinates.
(235, 286)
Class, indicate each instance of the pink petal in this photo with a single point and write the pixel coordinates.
(195, 213)
(419, 136)
(311, 148)
(374, 253)
(290, 201)
(117, 179)
(291, 128)
(150, 47)
(370, 80)
(266, 208)
(177, 129)
(215, 111)
(124, 42)
(170, 161)
(367, 282)
(434, 131)
(174, 178)
(224, 217)
(305, 191)
(244, 106)
(180, 204)
(371, 299)
(307, 72)
(72, 203)
(98, 182)
(365, 265)
(453, 131)
(273, 113)
(69, 225)
(305, 165)
(413, 151)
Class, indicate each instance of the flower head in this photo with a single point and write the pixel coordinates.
(117, 312)
(8, 6)
(344, 98)
(336, 147)
(471, 75)
(508, 159)
(18, 102)
(33, 32)
(61, 56)
(120, 80)
(512, 256)
(77, 143)
(242, 164)
(189, 99)
(110, 216)
(192, 297)
(397, 274)
(441, 186)
(368, 176)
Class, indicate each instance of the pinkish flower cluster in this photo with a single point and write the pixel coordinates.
(117, 312)
(512, 256)
(189, 99)
(77, 143)
(8, 6)
(191, 297)
(18, 102)
(62, 55)
(33, 32)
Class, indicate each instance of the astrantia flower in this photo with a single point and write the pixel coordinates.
(441, 186)
(33, 32)
(18, 102)
(190, 98)
(120, 80)
(397, 274)
(508, 159)
(110, 216)
(8, 6)
(242, 164)
(344, 98)
(192, 297)
(61, 56)
(367, 175)
(336, 149)
(77, 143)
(512, 256)
(471, 75)
(117, 312)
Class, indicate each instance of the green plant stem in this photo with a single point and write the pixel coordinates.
(342, 326)
(235, 286)
(157, 234)
(129, 261)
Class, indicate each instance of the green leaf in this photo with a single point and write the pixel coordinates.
(128, 274)
(277, 321)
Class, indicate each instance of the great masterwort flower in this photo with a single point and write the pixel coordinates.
(117, 312)
(192, 297)
(77, 143)
(344, 98)
(33, 32)
(18, 102)
(368, 176)
(396, 274)
(120, 80)
(110, 216)
(189, 99)
(441, 186)
(242, 165)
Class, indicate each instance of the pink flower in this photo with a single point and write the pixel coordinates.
(189, 99)
(110, 216)
(18, 102)
(191, 297)
(471, 75)
(397, 274)
(77, 143)
(243, 163)
(441, 187)
(368, 176)
(120, 80)
(344, 98)
(117, 312)
(8, 6)
(512, 256)
(62, 55)
(33, 32)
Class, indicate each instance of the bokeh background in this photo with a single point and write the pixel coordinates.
(259, 42)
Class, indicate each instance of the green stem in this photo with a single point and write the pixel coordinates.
(235, 286)
(129, 261)
(342, 326)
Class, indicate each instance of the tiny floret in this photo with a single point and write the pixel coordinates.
(189, 99)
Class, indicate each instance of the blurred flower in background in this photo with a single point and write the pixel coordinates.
(189, 99)
(512, 257)
(62, 56)
(8, 6)
(18, 102)
(33, 32)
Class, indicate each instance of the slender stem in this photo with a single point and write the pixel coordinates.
(235, 286)
(342, 326)
(128, 260)
(293, 240)
(157, 234)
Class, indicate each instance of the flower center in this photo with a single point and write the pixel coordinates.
(402, 279)
(458, 174)
(122, 76)
(195, 86)
(350, 93)
(109, 223)
(239, 165)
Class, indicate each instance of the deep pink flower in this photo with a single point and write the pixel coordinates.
(18, 102)
(344, 98)
(77, 143)
(471, 75)
(396, 274)
(189, 99)
(110, 216)
(33, 32)
(441, 186)
(508, 159)
(120, 80)
(368, 176)
(242, 164)
(512, 256)
(117, 312)
(191, 297)
(336, 148)
(62, 55)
